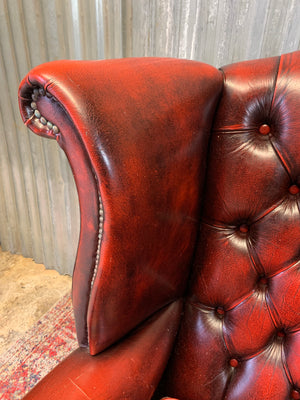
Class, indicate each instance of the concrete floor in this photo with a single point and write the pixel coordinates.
(27, 291)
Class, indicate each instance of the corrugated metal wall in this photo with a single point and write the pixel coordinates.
(39, 214)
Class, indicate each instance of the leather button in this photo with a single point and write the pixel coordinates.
(294, 189)
(263, 280)
(220, 311)
(280, 334)
(244, 228)
(234, 362)
(295, 394)
(264, 129)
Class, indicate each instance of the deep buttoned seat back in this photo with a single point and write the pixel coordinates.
(240, 334)
(187, 277)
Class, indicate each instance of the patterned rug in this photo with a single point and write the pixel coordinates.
(48, 342)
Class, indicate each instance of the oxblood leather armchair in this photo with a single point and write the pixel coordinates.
(187, 277)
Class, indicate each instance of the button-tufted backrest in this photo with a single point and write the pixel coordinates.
(240, 334)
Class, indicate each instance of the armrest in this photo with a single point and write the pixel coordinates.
(135, 132)
(128, 370)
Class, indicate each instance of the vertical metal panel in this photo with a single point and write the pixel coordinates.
(39, 214)
(113, 35)
(11, 145)
(215, 31)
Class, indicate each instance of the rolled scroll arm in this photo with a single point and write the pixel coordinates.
(135, 132)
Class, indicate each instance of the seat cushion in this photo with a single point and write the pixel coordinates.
(240, 335)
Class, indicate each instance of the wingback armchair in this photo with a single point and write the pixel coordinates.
(187, 277)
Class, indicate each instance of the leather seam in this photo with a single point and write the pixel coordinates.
(275, 83)
(281, 159)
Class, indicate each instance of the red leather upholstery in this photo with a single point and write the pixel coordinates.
(124, 371)
(239, 337)
(139, 142)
